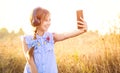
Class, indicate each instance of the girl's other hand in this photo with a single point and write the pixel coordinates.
(82, 25)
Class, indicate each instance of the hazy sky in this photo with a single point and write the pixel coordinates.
(15, 14)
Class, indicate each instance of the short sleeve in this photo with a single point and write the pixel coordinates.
(52, 37)
(28, 41)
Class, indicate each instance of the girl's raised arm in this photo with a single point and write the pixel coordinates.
(63, 36)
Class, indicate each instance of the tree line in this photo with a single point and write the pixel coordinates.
(4, 33)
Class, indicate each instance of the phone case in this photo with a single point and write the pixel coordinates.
(79, 14)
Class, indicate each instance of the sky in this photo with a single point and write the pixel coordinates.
(99, 14)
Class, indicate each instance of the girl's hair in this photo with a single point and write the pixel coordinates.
(38, 16)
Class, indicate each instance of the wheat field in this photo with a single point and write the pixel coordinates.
(87, 53)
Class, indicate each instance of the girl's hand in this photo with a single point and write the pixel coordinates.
(82, 25)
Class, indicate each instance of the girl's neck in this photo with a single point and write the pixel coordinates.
(40, 33)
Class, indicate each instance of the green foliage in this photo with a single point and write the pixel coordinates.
(5, 34)
(20, 32)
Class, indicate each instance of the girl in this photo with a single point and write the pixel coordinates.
(39, 48)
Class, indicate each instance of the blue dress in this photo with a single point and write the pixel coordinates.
(44, 56)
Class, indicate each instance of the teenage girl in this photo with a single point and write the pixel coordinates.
(39, 48)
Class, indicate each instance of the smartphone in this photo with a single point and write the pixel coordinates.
(79, 13)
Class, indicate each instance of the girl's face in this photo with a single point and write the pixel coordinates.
(45, 24)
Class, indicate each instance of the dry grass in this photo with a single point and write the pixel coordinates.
(87, 53)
